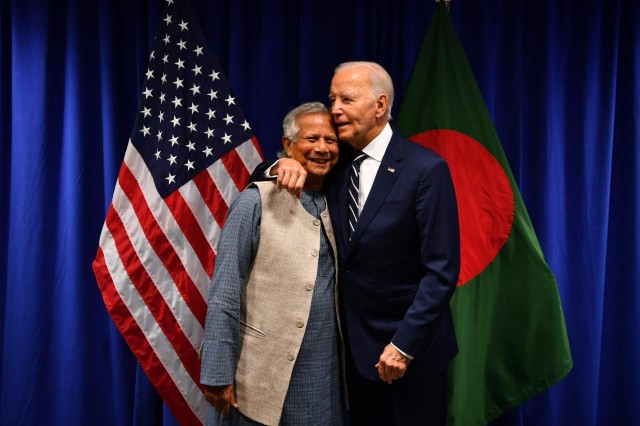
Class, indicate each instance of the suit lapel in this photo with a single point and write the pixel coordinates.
(387, 175)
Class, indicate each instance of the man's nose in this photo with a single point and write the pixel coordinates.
(321, 146)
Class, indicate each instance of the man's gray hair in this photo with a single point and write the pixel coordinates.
(290, 127)
(379, 78)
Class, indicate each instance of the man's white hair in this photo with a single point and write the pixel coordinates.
(379, 79)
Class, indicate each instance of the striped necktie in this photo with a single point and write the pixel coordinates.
(354, 189)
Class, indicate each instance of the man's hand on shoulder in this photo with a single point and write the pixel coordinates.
(291, 175)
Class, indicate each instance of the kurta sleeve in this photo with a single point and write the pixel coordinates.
(236, 249)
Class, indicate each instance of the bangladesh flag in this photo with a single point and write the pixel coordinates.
(507, 312)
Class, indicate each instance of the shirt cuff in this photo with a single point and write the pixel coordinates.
(214, 370)
(401, 351)
(268, 171)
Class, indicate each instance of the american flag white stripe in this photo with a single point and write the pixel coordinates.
(164, 356)
(190, 229)
(133, 299)
(167, 222)
(193, 193)
(211, 194)
(137, 276)
(161, 245)
(222, 180)
(141, 348)
(177, 253)
(192, 196)
(249, 155)
(161, 278)
(236, 168)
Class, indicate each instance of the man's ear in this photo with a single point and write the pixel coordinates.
(382, 103)
(286, 144)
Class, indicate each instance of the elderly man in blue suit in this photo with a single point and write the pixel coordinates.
(394, 211)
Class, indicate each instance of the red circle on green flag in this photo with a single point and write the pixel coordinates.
(485, 198)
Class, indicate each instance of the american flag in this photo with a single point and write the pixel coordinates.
(190, 152)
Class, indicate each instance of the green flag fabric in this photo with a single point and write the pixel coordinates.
(507, 312)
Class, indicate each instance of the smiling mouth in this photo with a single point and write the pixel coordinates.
(319, 161)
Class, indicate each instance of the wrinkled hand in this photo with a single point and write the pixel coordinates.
(291, 175)
(392, 364)
(221, 398)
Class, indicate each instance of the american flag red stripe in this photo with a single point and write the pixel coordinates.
(156, 239)
(236, 168)
(221, 176)
(151, 296)
(190, 153)
(201, 213)
(139, 343)
(191, 229)
(216, 204)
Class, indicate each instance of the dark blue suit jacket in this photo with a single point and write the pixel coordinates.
(398, 272)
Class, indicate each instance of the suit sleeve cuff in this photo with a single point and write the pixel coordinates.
(267, 173)
(401, 351)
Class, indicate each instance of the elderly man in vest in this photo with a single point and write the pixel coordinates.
(270, 353)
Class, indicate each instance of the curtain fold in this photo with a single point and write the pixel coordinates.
(561, 81)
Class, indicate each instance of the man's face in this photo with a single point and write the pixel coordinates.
(353, 107)
(316, 146)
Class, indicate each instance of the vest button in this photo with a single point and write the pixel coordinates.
(316, 222)
(314, 252)
(299, 323)
(309, 286)
(290, 356)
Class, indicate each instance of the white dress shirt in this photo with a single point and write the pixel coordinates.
(369, 168)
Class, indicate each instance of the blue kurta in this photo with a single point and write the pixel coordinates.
(314, 396)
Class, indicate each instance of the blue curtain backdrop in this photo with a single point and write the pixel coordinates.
(561, 80)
